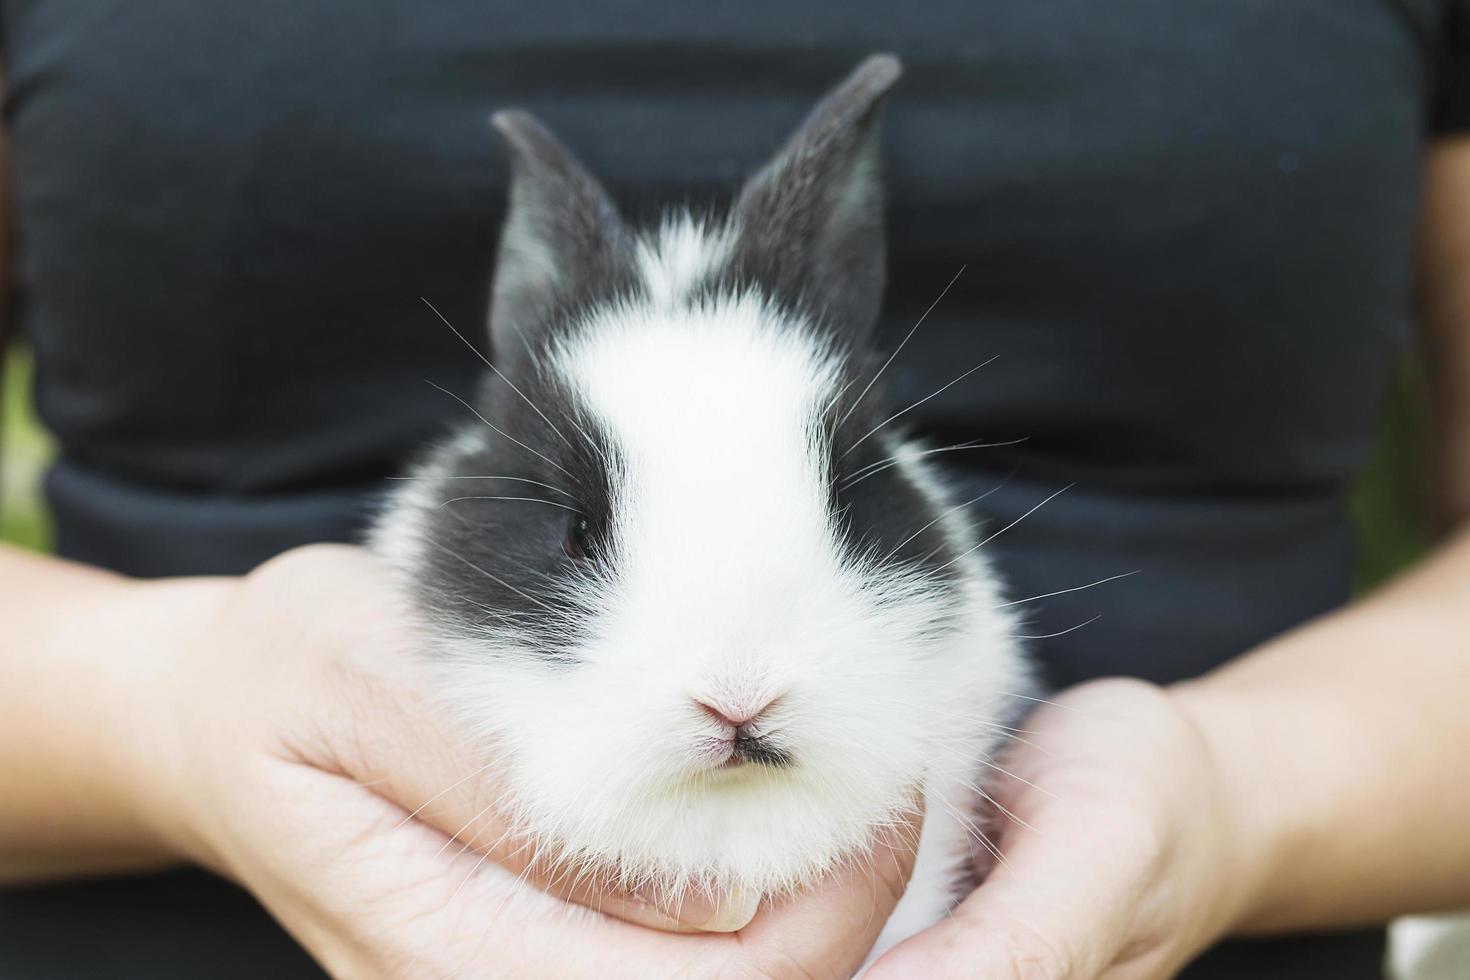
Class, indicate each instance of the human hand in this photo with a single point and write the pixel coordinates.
(292, 748)
(1125, 852)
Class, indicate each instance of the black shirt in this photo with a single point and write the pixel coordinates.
(1188, 230)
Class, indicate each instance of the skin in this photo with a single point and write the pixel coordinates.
(265, 727)
(271, 728)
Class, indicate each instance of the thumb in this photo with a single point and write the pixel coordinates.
(1050, 912)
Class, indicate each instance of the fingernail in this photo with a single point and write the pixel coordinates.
(733, 911)
(634, 909)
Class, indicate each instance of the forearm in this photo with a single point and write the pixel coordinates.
(76, 671)
(1348, 743)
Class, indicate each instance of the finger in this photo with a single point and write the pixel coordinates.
(828, 930)
(370, 896)
(1058, 908)
(693, 911)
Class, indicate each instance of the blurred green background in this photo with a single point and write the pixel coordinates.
(1389, 504)
(26, 449)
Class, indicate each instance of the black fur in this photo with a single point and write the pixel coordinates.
(563, 247)
(880, 511)
(811, 221)
(503, 563)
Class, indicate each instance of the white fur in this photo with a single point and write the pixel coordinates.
(729, 584)
(682, 253)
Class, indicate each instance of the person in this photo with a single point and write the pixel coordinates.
(1198, 238)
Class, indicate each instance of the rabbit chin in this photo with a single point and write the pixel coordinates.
(755, 828)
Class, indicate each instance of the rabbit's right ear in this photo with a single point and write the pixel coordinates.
(562, 239)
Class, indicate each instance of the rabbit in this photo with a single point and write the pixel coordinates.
(717, 616)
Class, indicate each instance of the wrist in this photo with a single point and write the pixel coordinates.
(153, 632)
(1257, 820)
(78, 690)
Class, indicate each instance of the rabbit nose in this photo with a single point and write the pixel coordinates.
(742, 718)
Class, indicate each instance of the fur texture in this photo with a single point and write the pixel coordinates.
(674, 499)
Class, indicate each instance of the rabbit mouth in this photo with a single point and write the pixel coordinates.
(746, 751)
(757, 750)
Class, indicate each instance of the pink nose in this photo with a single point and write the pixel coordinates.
(736, 716)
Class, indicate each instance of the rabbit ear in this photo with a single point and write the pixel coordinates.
(562, 239)
(811, 221)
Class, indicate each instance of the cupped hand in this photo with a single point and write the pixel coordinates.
(293, 748)
(1124, 853)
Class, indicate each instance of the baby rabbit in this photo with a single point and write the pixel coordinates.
(715, 618)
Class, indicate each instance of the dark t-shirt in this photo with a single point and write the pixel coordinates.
(1187, 226)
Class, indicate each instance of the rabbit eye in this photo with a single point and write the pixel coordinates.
(578, 544)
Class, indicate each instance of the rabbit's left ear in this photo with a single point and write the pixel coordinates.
(810, 223)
